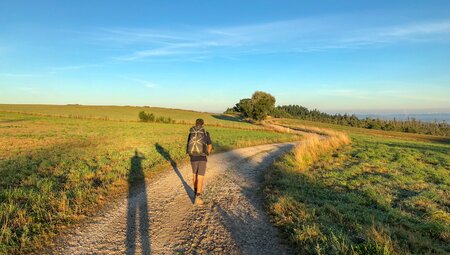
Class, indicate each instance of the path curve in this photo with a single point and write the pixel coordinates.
(159, 217)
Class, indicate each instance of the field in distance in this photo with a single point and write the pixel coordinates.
(364, 131)
(126, 113)
(53, 169)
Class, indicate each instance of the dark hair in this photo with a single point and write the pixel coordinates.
(199, 122)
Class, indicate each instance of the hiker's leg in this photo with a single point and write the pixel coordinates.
(200, 174)
(194, 174)
(194, 181)
(199, 184)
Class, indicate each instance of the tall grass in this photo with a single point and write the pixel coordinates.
(315, 146)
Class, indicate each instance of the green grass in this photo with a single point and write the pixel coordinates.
(376, 196)
(54, 170)
(126, 113)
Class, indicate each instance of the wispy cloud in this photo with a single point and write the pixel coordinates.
(18, 75)
(27, 89)
(301, 35)
(73, 67)
(143, 82)
(375, 94)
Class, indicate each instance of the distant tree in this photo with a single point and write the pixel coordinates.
(263, 104)
(245, 106)
(229, 111)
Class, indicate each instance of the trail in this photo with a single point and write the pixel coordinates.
(158, 217)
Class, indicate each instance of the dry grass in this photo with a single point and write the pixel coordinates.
(314, 146)
(317, 142)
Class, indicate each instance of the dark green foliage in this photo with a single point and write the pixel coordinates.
(408, 126)
(245, 106)
(258, 107)
(263, 104)
(146, 117)
(149, 117)
(280, 113)
(230, 111)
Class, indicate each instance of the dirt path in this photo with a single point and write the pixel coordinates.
(159, 217)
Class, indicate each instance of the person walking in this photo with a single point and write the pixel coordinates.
(198, 147)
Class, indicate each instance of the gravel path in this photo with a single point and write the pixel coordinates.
(158, 217)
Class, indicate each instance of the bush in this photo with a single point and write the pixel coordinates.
(146, 117)
(149, 117)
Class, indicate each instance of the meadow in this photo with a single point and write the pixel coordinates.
(126, 113)
(377, 195)
(56, 170)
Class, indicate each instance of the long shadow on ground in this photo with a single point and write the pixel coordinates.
(137, 209)
(165, 153)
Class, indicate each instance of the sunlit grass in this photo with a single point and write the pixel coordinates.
(126, 113)
(54, 170)
(376, 196)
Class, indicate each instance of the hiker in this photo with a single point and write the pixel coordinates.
(198, 147)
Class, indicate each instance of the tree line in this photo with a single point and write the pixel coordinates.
(262, 104)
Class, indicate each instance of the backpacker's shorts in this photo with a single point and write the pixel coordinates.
(198, 167)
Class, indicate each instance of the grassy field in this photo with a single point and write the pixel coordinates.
(54, 170)
(126, 113)
(379, 195)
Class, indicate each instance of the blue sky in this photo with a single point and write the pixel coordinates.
(352, 56)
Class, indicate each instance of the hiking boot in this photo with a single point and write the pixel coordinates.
(198, 200)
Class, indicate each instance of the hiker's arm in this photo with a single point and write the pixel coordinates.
(187, 143)
(208, 141)
(209, 149)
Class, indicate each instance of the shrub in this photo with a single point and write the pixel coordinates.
(149, 117)
(146, 117)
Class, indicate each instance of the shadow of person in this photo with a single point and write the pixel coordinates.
(137, 208)
(165, 153)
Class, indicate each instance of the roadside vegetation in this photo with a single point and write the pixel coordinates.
(377, 195)
(55, 170)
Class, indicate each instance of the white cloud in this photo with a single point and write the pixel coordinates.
(18, 75)
(73, 67)
(145, 83)
(300, 35)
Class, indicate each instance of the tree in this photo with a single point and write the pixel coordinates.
(245, 106)
(263, 104)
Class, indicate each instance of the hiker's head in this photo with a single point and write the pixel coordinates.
(199, 122)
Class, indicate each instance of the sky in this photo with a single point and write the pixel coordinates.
(336, 56)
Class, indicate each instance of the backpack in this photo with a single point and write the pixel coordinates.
(197, 142)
